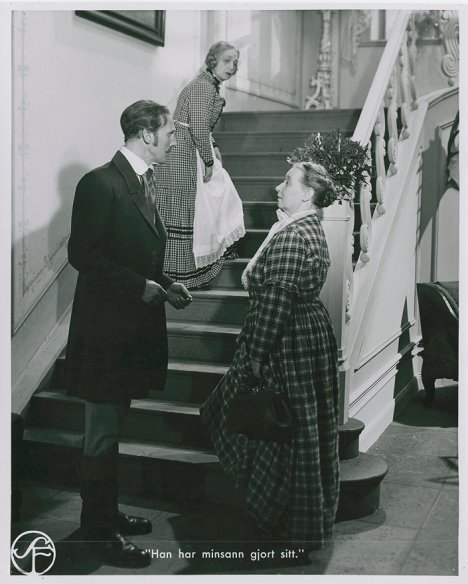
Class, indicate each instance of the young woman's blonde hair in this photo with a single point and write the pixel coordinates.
(215, 52)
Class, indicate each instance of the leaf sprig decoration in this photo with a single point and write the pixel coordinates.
(344, 159)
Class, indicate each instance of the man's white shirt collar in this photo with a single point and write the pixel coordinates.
(137, 163)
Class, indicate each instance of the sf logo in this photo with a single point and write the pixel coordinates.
(33, 553)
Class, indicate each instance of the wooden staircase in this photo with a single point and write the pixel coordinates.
(165, 451)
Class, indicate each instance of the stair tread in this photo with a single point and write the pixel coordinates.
(352, 425)
(263, 132)
(62, 437)
(300, 112)
(364, 467)
(240, 260)
(196, 367)
(262, 154)
(146, 405)
(220, 293)
(182, 326)
(258, 178)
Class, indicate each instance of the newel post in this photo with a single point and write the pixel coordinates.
(338, 222)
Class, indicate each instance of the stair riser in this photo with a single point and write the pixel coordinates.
(138, 476)
(218, 310)
(301, 121)
(355, 503)
(252, 142)
(248, 245)
(151, 427)
(186, 387)
(214, 348)
(181, 386)
(264, 165)
(260, 216)
(254, 190)
(230, 276)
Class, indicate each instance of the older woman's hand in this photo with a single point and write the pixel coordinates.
(256, 368)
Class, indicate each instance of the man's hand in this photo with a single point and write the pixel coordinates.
(218, 154)
(256, 368)
(154, 293)
(208, 173)
(178, 295)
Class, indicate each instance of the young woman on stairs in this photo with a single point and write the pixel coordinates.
(197, 201)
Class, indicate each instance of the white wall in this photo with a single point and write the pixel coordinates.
(270, 44)
(71, 80)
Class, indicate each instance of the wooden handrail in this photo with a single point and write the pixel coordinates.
(376, 95)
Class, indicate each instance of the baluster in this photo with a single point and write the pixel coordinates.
(412, 53)
(450, 34)
(321, 81)
(350, 270)
(365, 195)
(404, 91)
(392, 144)
(379, 132)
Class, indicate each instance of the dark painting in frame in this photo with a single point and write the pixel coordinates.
(146, 25)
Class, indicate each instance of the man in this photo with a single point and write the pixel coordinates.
(117, 346)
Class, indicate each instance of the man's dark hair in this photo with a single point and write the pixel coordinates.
(143, 115)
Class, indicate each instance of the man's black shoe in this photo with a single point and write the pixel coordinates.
(116, 550)
(130, 525)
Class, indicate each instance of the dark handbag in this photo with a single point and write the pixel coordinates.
(260, 414)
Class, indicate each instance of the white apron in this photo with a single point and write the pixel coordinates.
(219, 216)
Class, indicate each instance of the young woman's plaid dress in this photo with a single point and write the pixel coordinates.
(291, 489)
(198, 108)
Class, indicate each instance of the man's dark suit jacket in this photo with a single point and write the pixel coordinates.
(117, 345)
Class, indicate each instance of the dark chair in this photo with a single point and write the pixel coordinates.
(438, 310)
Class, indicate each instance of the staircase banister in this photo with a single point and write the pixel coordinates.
(375, 97)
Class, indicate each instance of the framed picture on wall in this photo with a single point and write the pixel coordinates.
(146, 25)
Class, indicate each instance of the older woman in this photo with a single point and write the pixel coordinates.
(197, 200)
(287, 340)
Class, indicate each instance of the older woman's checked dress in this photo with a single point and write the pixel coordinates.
(291, 488)
(198, 108)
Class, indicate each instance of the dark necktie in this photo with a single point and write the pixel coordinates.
(150, 190)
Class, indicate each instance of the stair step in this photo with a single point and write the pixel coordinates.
(161, 470)
(260, 214)
(256, 163)
(366, 468)
(349, 439)
(258, 141)
(289, 120)
(257, 188)
(188, 381)
(230, 275)
(150, 420)
(249, 244)
(191, 381)
(73, 439)
(360, 480)
(216, 305)
(202, 342)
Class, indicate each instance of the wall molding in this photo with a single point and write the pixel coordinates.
(367, 390)
(391, 339)
(40, 365)
(16, 325)
(380, 423)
